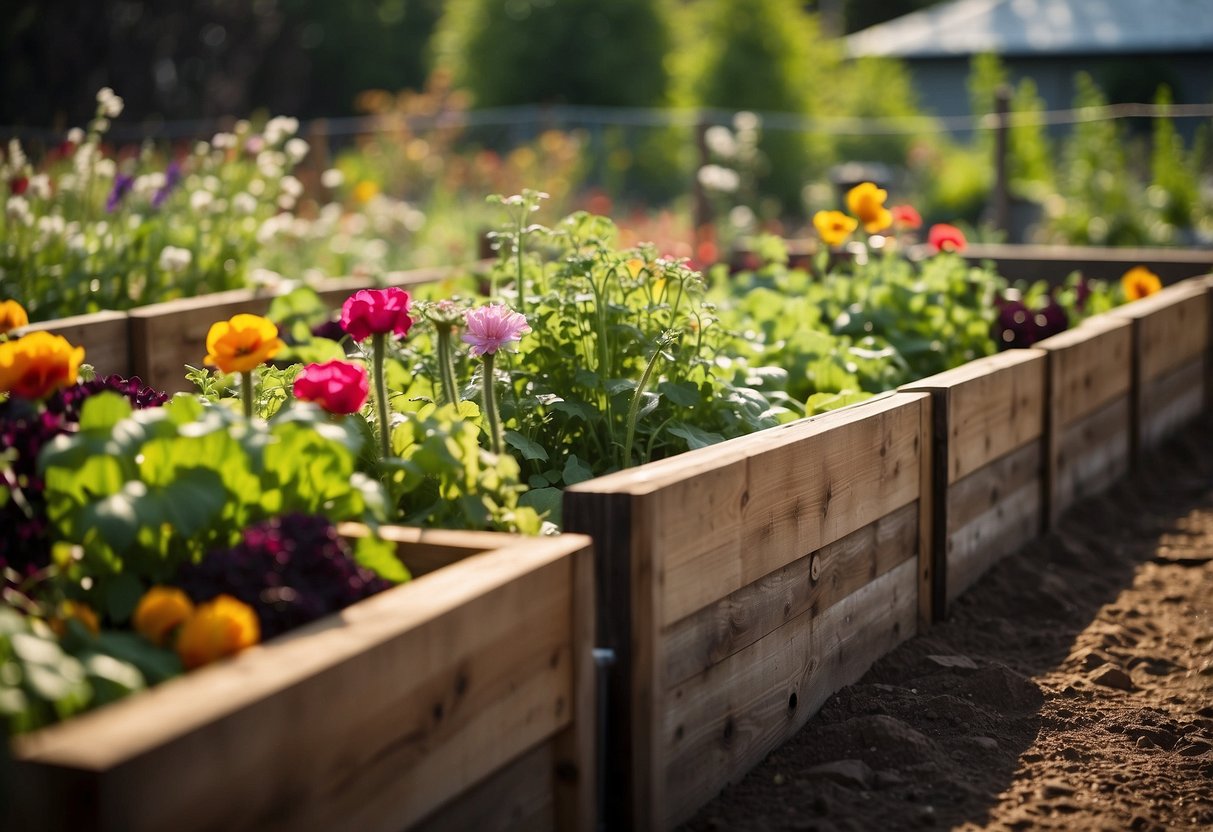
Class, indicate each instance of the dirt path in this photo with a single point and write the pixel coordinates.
(1071, 689)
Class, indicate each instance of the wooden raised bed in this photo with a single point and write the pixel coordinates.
(105, 337)
(1088, 421)
(461, 700)
(988, 440)
(1170, 341)
(741, 585)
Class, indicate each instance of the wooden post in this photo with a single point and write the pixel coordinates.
(701, 207)
(1000, 199)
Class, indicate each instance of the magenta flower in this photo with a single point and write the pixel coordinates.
(370, 312)
(337, 386)
(489, 328)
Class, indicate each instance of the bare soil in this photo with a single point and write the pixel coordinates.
(1071, 688)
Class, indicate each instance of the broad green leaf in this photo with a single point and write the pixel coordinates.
(379, 556)
(576, 471)
(528, 448)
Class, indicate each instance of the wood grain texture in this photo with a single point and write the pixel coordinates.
(811, 584)
(1170, 401)
(517, 798)
(370, 719)
(984, 489)
(719, 724)
(926, 517)
(794, 493)
(993, 405)
(1088, 366)
(1087, 456)
(105, 337)
(1014, 521)
(1172, 327)
(576, 747)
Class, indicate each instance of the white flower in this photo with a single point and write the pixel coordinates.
(200, 200)
(67, 183)
(75, 135)
(265, 278)
(147, 184)
(296, 149)
(286, 202)
(202, 148)
(741, 217)
(51, 225)
(174, 259)
(108, 103)
(273, 227)
(77, 244)
(720, 141)
(291, 186)
(244, 203)
(280, 128)
(746, 121)
(256, 187)
(717, 178)
(16, 156)
(134, 221)
(332, 178)
(18, 211)
(105, 168)
(242, 127)
(40, 186)
(211, 183)
(270, 163)
(222, 141)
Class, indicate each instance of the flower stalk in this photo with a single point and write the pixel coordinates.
(490, 405)
(664, 341)
(378, 349)
(446, 366)
(246, 393)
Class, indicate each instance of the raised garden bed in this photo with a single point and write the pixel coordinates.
(462, 699)
(742, 584)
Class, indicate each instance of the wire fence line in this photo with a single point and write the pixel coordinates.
(572, 117)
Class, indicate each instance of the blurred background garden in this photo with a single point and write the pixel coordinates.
(239, 143)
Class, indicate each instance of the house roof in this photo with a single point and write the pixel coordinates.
(1042, 27)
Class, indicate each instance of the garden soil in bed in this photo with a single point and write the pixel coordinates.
(1071, 688)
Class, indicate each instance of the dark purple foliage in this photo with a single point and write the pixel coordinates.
(24, 543)
(291, 570)
(329, 329)
(1016, 325)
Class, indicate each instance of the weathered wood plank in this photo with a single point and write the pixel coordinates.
(811, 584)
(576, 752)
(517, 798)
(1089, 455)
(719, 724)
(994, 405)
(984, 489)
(366, 720)
(105, 337)
(1172, 327)
(426, 550)
(1089, 366)
(1170, 401)
(794, 493)
(1010, 524)
(926, 516)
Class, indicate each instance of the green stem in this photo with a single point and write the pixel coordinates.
(490, 404)
(378, 348)
(446, 369)
(521, 278)
(637, 396)
(246, 393)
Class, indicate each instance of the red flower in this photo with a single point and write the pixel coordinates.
(906, 217)
(376, 312)
(18, 185)
(337, 386)
(944, 237)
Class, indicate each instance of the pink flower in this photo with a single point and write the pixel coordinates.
(489, 328)
(337, 386)
(944, 237)
(905, 216)
(376, 312)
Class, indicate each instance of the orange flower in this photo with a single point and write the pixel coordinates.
(218, 628)
(1138, 282)
(244, 342)
(833, 226)
(866, 202)
(12, 316)
(38, 364)
(365, 191)
(79, 611)
(161, 610)
(906, 217)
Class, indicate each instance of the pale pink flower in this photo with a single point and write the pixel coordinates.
(489, 328)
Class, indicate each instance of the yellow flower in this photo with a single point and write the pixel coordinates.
(161, 610)
(244, 342)
(866, 202)
(79, 611)
(38, 364)
(365, 191)
(833, 226)
(218, 628)
(1138, 282)
(12, 316)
